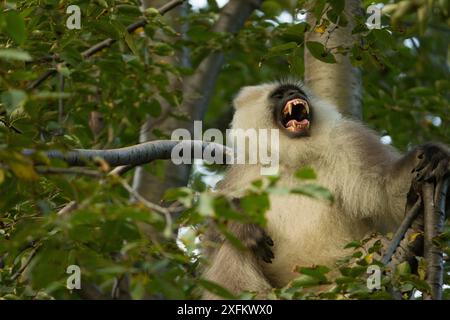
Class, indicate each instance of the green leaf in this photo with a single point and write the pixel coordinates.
(216, 289)
(384, 38)
(305, 281)
(153, 107)
(306, 173)
(314, 191)
(296, 61)
(271, 8)
(14, 54)
(131, 44)
(319, 52)
(403, 268)
(163, 49)
(353, 244)
(337, 5)
(281, 49)
(312, 276)
(15, 26)
(13, 98)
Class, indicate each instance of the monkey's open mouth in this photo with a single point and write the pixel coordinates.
(295, 116)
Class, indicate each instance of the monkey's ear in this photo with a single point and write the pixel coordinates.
(250, 94)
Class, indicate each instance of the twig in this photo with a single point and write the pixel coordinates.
(71, 206)
(25, 265)
(401, 231)
(152, 206)
(105, 43)
(60, 100)
(121, 170)
(434, 217)
(10, 126)
(36, 83)
(80, 171)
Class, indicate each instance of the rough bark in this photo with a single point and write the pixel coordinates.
(434, 219)
(134, 155)
(338, 83)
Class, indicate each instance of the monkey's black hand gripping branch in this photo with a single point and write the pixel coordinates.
(428, 202)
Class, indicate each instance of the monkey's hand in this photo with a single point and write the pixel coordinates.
(433, 162)
(255, 238)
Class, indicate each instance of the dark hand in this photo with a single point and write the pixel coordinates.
(255, 238)
(433, 162)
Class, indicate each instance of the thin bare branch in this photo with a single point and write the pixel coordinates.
(79, 171)
(71, 206)
(401, 231)
(152, 206)
(36, 83)
(121, 170)
(25, 264)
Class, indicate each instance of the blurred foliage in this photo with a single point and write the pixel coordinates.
(406, 90)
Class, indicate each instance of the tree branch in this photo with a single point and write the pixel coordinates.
(79, 171)
(135, 155)
(401, 231)
(434, 219)
(340, 82)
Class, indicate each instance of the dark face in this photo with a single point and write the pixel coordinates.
(291, 110)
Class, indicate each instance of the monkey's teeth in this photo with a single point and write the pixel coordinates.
(305, 104)
(288, 108)
(294, 125)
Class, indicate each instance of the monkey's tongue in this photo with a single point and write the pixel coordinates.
(294, 125)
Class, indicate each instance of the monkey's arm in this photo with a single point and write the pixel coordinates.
(425, 162)
(236, 271)
(373, 178)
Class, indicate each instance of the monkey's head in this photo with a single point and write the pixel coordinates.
(291, 111)
(290, 107)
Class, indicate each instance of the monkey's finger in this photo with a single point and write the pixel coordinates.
(423, 161)
(269, 241)
(268, 255)
(422, 173)
(440, 170)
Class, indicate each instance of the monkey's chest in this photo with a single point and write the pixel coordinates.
(305, 232)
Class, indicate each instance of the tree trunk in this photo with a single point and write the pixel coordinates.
(338, 83)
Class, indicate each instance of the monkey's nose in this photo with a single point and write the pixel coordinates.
(291, 93)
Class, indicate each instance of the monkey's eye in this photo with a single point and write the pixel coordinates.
(277, 95)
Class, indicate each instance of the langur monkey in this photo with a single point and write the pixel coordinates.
(369, 180)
